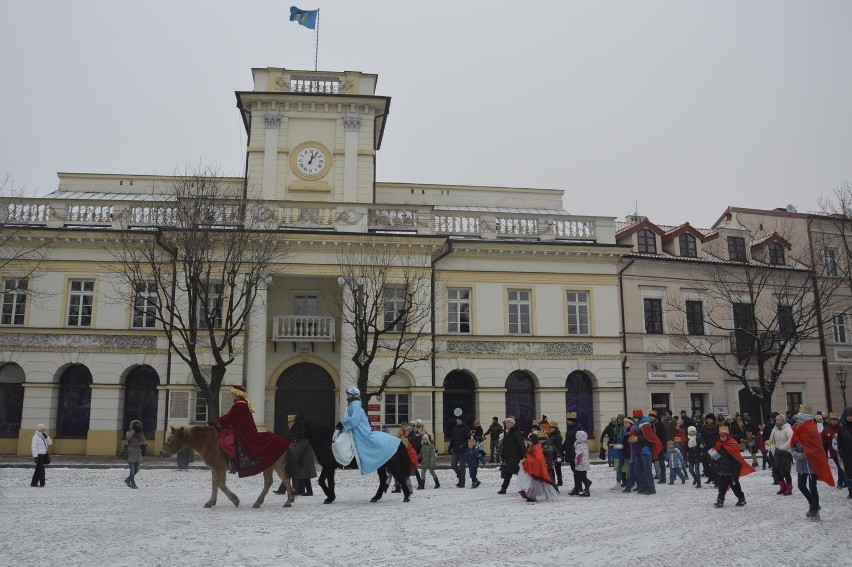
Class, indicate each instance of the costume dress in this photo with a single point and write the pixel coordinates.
(372, 448)
(534, 479)
(254, 451)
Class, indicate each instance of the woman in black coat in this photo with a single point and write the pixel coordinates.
(513, 451)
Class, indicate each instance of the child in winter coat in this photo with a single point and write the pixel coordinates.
(581, 465)
(472, 455)
(730, 467)
(675, 461)
(693, 455)
(427, 460)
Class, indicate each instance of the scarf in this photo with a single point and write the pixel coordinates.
(693, 441)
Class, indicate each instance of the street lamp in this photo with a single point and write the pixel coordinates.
(841, 380)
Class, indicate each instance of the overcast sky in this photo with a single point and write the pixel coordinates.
(685, 107)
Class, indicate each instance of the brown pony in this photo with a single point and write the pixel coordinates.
(204, 440)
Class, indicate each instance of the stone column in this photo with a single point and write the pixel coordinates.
(272, 121)
(351, 126)
(348, 370)
(255, 355)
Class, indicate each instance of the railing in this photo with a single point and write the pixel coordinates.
(312, 84)
(304, 328)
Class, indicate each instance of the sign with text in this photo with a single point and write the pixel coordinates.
(374, 407)
(376, 427)
(670, 375)
(374, 418)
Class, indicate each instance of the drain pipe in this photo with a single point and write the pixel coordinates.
(820, 329)
(623, 334)
(447, 250)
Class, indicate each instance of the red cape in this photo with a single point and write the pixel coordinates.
(535, 465)
(733, 449)
(656, 444)
(808, 437)
(256, 450)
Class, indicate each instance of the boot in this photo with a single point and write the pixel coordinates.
(574, 492)
(133, 484)
(585, 493)
(126, 481)
(719, 503)
(280, 490)
(421, 484)
(811, 511)
(782, 487)
(437, 484)
(741, 502)
(397, 489)
(788, 489)
(309, 490)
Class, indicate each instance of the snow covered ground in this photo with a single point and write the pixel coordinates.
(88, 517)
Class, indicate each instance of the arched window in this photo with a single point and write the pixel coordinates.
(578, 398)
(647, 242)
(520, 399)
(75, 402)
(11, 399)
(140, 399)
(688, 249)
(776, 254)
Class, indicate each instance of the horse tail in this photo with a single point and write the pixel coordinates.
(405, 462)
(290, 466)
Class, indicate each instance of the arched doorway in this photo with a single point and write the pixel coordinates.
(307, 389)
(520, 399)
(11, 398)
(578, 398)
(458, 394)
(140, 399)
(75, 403)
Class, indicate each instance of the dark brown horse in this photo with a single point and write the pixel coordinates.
(320, 438)
(204, 440)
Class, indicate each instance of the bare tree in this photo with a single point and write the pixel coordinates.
(20, 251)
(754, 317)
(193, 260)
(835, 234)
(386, 304)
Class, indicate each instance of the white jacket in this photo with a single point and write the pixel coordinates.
(781, 438)
(40, 444)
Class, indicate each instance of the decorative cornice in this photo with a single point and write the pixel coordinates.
(76, 342)
(519, 348)
(351, 123)
(272, 120)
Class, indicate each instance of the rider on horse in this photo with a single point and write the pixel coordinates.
(249, 450)
(372, 448)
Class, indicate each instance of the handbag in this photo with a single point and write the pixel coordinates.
(123, 454)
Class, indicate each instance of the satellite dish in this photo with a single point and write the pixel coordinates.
(457, 412)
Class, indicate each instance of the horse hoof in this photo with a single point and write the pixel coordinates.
(255, 505)
(374, 500)
(328, 501)
(406, 499)
(208, 505)
(236, 504)
(287, 505)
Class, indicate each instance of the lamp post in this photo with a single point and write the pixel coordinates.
(841, 380)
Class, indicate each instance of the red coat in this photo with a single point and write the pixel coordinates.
(808, 437)
(828, 433)
(256, 450)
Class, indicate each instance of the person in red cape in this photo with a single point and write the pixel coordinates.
(534, 480)
(251, 451)
(810, 458)
(730, 466)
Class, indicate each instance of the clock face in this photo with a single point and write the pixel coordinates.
(311, 161)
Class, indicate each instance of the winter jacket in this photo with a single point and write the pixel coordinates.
(828, 433)
(555, 437)
(693, 454)
(305, 460)
(709, 435)
(844, 442)
(780, 438)
(427, 452)
(40, 443)
(728, 465)
(608, 434)
(570, 439)
(513, 450)
(670, 425)
(134, 441)
(458, 439)
(660, 429)
(494, 431)
(581, 452)
(472, 455)
(674, 459)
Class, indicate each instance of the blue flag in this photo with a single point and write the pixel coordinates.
(307, 18)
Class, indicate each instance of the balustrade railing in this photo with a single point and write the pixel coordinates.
(304, 328)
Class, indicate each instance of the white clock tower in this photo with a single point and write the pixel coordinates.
(312, 136)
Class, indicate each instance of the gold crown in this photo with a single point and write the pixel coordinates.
(806, 409)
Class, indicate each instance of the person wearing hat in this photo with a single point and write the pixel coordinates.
(555, 438)
(251, 451)
(458, 446)
(372, 448)
(779, 447)
(41, 441)
(134, 437)
(731, 466)
(609, 434)
(534, 480)
(572, 426)
(709, 436)
(693, 455)
(829, 443)
(494, 431)
(844, 445)
(512, 453)
(810, 458)
(615, 451)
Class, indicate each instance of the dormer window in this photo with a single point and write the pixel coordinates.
(688, 249)
(647, 241)
(736, 249)
(776, 254)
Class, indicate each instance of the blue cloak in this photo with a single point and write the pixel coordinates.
(372, 448)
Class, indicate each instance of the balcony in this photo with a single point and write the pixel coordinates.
(304, 329)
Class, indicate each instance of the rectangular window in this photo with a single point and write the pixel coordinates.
(80, 299)
(396, 302)
(794, 400)
(458, 310)
(200, 407)
(396, 408)
(578, 313)
(519, 312)
(829, 262)
(694, 318)
(841, 333)
(688, 248)
(786, 322)
(211, 310)
(736, 249)
(653, 315)
(14, 305)
(145, 306)
(744, 328)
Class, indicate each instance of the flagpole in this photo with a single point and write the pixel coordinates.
(316, 51)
